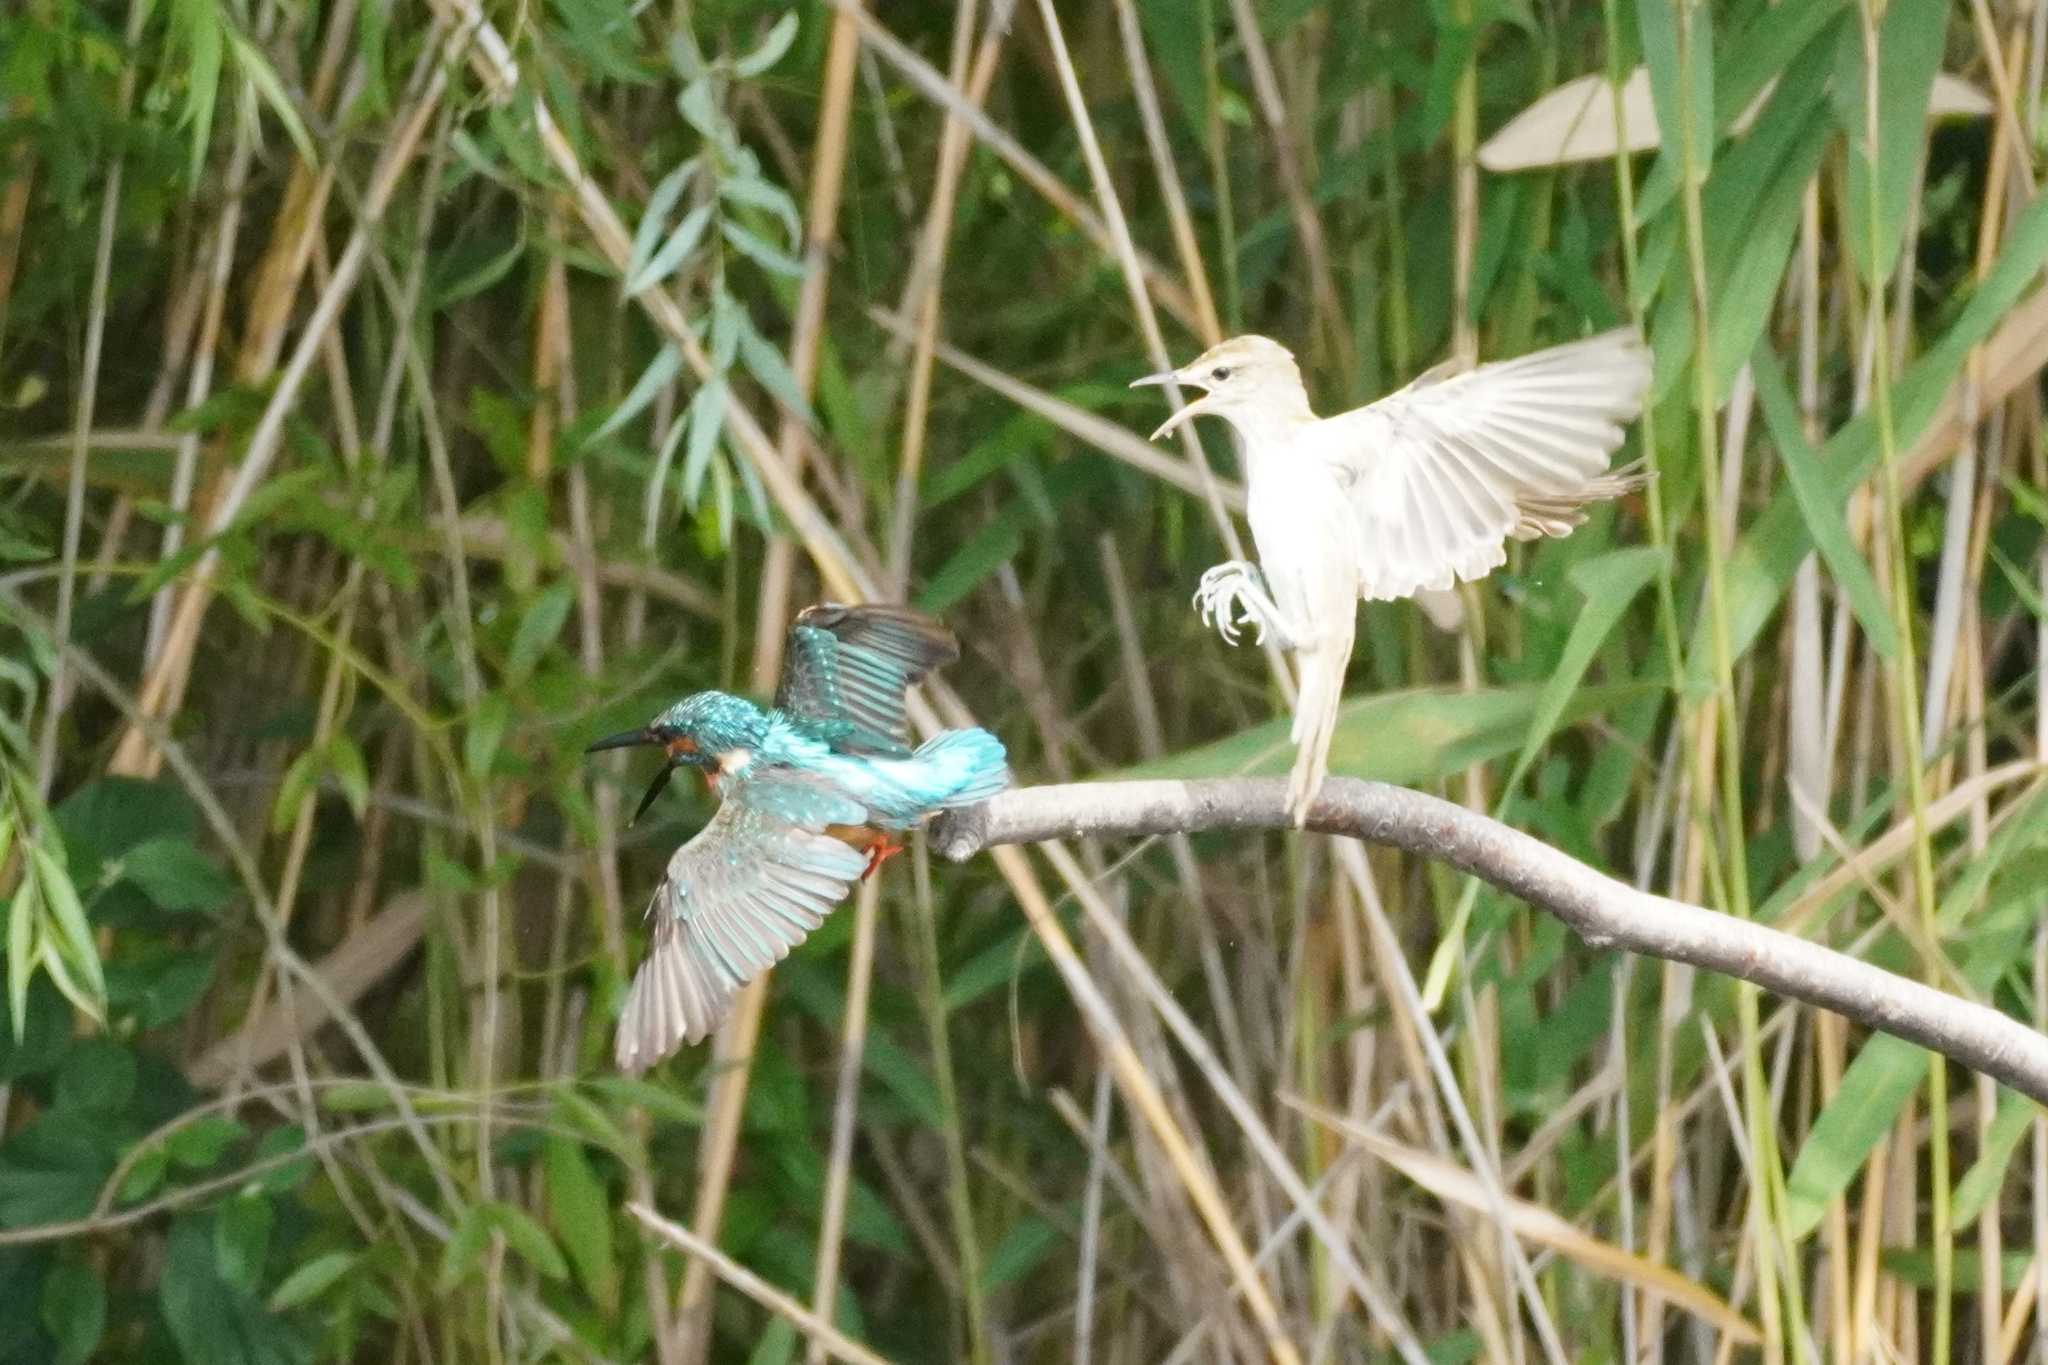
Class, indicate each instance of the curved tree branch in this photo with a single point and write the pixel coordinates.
(1601, 910)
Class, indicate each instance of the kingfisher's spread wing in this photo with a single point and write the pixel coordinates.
(846, 670)
(749, 887)
(1440, 474)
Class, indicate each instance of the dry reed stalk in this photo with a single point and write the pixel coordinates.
(928, 273)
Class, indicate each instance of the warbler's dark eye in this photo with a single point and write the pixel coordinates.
(1220, 373)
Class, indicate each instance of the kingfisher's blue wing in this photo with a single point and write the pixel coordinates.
(749, 887)
(846, 669)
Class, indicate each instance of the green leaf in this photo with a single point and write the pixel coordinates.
(1682, 104)
(1826, 518)
(74, 1310)
(706, 419)
(176, 876)
(313, 1279)
(21, 952)
(758, 250)
(540, 625)
(1909, 53)
(673, 252)
(262, 77)
(659, 205)
(472, 1235)
(213, 1321)
(485, 732)
(770, 50)
(658, 1101)
(754, 192)
(1609, 583)
(1760, 569)
(581, 1214)
(1873, 1091)
(1410, 738)
(241, 1240)
(2009, 1124)
(666, 365)
(351, 772)
(145, 1173)
(766, 364)
(204, 1141)
(1029, 1241)
(97, 1077)
(69, 934)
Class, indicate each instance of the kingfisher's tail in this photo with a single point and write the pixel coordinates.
(964, 767)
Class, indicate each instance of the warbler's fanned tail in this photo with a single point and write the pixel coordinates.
(966, 767)
(1321, 671)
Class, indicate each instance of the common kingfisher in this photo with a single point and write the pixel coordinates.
(814, 792)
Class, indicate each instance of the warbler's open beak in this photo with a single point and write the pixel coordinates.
(1187, 410)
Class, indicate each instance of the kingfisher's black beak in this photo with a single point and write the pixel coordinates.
(628, 739)
(625, 739)
(653, 790)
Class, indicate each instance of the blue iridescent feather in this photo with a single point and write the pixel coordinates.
(812, 790)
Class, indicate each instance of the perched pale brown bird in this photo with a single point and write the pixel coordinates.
(1413, 493)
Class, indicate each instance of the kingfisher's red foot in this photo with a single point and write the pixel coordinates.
(880, 851)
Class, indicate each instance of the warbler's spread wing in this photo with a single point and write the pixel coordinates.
(846, 670)
(749, 887)
(1441, 473)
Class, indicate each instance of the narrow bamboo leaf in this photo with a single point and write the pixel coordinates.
(654, 218)
(1684, 99)
(1873, 1091)
(262, 77)
(529, 1239)
(486, 729)
(2014, 1117)
(754, 192)
(667, 363)
(1825, 515)
(472, 1235)
(706, 420)
(1760, 569)
(1760, 52)
(540, 625)
(581, 1215)
(770, 49)
(21, 952)
(1411, 738)
(673, 253)
(1609, 583)
(199, 24)
(73, 936)
(758, 250)
(766, 364)
(1909, 53)
(351, 772)
(312, 1279)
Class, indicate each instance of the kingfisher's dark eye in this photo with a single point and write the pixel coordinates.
(1220, 373)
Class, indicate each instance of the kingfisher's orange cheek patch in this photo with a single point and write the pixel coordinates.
(681, 746)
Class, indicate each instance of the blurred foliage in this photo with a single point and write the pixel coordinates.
(310, 991)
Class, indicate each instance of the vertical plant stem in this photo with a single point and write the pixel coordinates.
(1904, 687)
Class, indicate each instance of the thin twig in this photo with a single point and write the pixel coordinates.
(754, 1287)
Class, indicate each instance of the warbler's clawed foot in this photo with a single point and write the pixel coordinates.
(1233, 595)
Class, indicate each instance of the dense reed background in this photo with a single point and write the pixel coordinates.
(395, 397)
